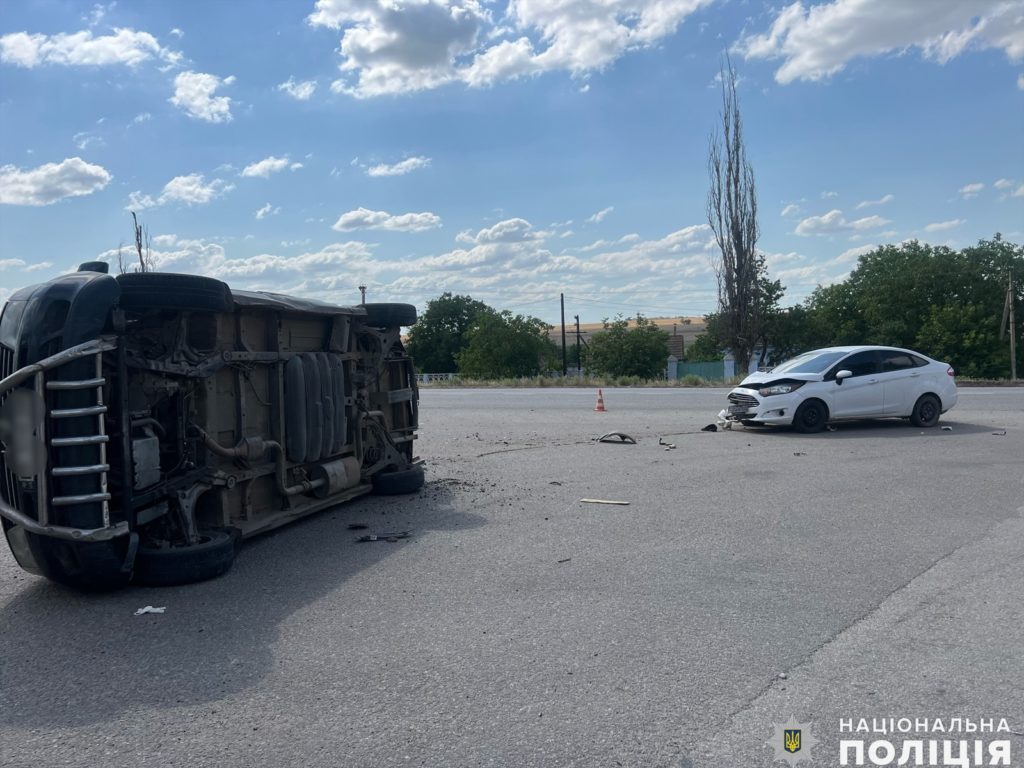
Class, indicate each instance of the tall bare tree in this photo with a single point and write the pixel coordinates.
(732, 214)
(142, 245)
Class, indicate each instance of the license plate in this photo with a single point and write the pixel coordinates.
(738, 408)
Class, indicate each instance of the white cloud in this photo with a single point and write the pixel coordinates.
(827, 195)
(507, 231)
(142, 117)
(412, 45)
(400, 168)
(176, 32)
(190, 190)
(791, 209)
(51, 182)
(302, 90)
(82, 49)
(834, 222)
(194, 93)
(264, 168)
(1003, 183)
(852, 254)
(967, 191)
(601, 215)
(942, 226)
(1020, 81)
(6, 264)
(362, 218)
(1019, 191)
(84, 139)
(818, 42)
(267, 210)
(880, 201)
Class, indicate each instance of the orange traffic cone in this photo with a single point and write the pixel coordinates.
(600, 402)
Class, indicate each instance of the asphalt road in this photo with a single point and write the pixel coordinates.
(875, 571)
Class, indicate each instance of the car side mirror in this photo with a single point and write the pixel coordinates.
(843, 374)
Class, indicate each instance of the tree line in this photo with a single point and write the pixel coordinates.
(458, 334)
(944, 302)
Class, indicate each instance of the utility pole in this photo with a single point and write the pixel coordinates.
(1013, 329)
(578, 362)
(565, 367)
(362, 293)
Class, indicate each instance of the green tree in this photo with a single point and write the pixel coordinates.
(704, 349)
(619, 350)
(440, 334)
(503, 345)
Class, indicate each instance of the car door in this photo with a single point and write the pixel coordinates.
(860, 395)
(900, 376)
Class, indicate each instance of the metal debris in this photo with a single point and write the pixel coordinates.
(668, 446)
(150, 609)
(947, 429)
(395, 536)
(609, 437)
(566, 560)
(604, 501)
(999, 434)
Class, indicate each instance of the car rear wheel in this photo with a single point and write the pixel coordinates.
(926, 411)
(810, 417)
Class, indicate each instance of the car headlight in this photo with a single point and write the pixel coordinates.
(780, 389)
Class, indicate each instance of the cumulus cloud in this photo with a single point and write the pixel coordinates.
(834, 222)
(1003, 183)
(46, 184)
(507, 231)
(264, 168)
(817, 42)
(363, 218)
(401, 168)
(601, 215)
(942, 226)
(301, 90)
(267, 210)
(190, 190)
(82, 49)
(194, 93)
(967, 191)
(883, 200)
(412, 45)
(791, 210)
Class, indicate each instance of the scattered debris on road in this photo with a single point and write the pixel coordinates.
(999, 434)
(830, 428)
(623, 438)
(384, 536)
(710, 428)
(668, 446)
(799, 453)
(947, 429)
(357, 526)
(566, 560)
(150, 609)
(555, 482)
(604, 501)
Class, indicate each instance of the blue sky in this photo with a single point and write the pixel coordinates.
(511, 152)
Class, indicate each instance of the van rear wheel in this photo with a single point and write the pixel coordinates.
(210, 557)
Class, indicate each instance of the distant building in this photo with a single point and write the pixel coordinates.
(681, 330)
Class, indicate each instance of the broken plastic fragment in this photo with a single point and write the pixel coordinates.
(151, 609)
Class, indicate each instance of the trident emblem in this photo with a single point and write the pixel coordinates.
(792, 740)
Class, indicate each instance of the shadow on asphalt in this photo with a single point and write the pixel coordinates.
(886, 428)
(216, 638)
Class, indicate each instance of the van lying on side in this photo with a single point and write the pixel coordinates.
(150, 421)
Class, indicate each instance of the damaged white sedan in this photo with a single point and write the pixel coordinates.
(845, 383)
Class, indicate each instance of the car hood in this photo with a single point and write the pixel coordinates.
(760, 378)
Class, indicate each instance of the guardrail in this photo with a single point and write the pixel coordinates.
(425, 378)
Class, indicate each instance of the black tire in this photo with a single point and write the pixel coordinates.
(167, 566)
(926, 411)
(810, 417)
(399, 482)
(386, 315)
(166, 290)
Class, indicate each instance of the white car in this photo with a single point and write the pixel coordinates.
(841, 383)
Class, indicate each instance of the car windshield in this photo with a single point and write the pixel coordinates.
(809, 362)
